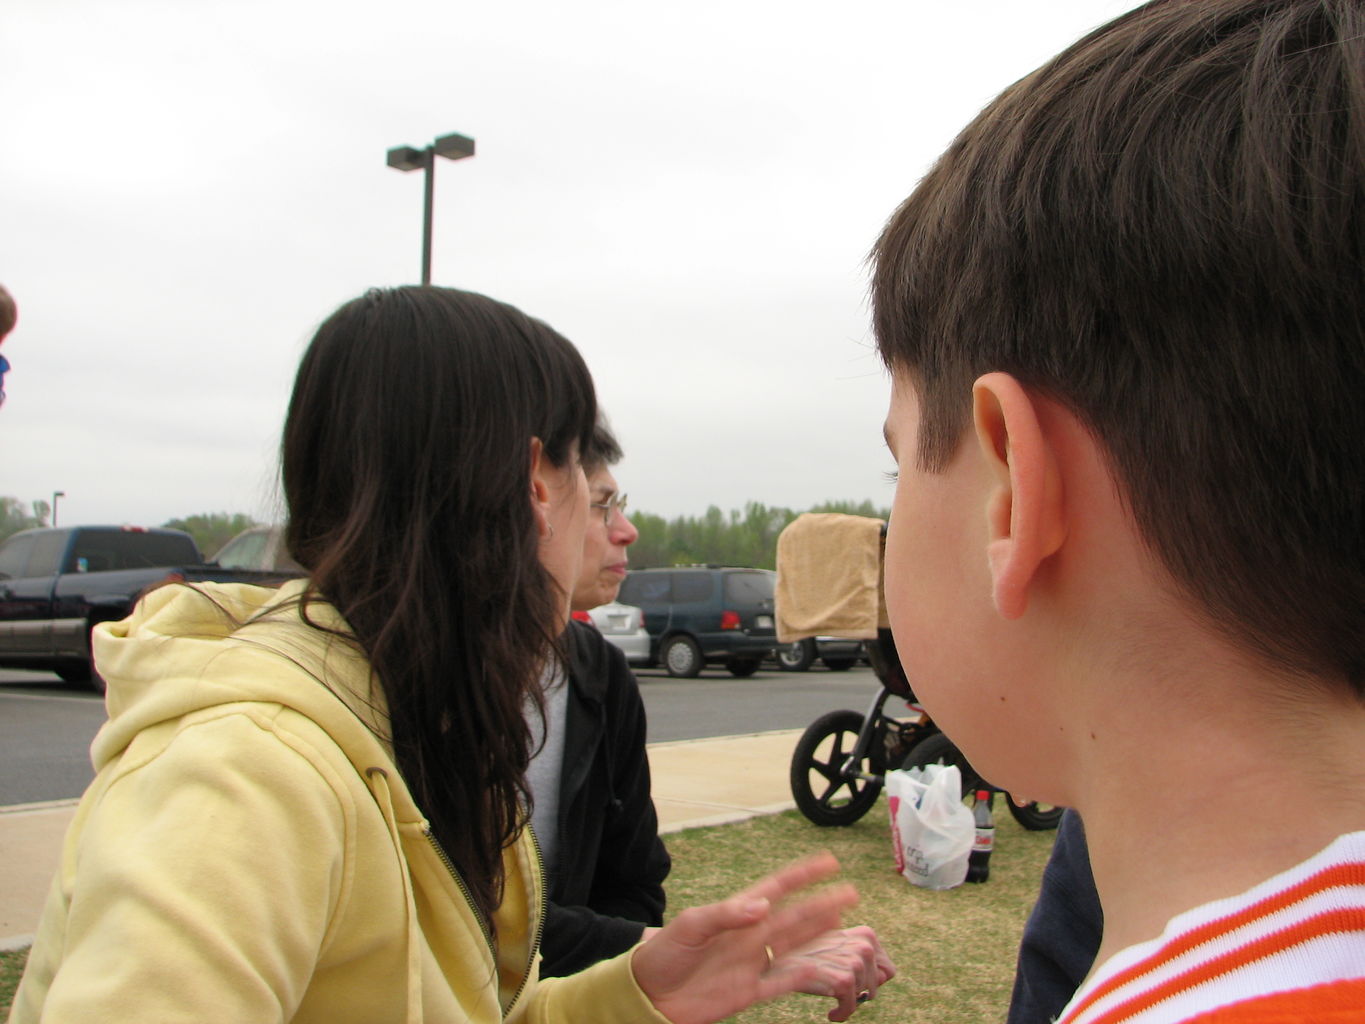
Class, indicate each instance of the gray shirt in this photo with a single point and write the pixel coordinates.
(542, 775)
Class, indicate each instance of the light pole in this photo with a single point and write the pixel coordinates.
(55, 496)
(407, 158)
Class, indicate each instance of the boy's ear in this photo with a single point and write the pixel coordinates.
(1026, 511)
(540, 487)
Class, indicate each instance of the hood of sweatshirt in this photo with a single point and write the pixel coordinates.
(189, 647)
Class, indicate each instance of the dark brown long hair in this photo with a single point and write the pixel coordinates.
(406, 468)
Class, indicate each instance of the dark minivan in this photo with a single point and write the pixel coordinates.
(699, 615)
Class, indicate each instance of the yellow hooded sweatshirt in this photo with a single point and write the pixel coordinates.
(247, 851)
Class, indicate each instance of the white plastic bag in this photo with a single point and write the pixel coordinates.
(931, 829)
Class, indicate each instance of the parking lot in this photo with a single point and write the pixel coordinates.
(46, 726)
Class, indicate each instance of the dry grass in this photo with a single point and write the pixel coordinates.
(11, 966)
(955, 950)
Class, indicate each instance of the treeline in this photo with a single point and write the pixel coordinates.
(739, 537)
(747, 537)
(210, 530)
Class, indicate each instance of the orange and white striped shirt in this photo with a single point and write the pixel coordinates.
(1291, 949)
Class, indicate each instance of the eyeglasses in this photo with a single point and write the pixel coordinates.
(616, 503)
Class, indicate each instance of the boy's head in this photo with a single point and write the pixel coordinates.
(1163, 231)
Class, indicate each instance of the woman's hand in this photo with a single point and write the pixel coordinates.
(849, 967)
(710, 962)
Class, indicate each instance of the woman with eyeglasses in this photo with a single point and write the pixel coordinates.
(310, 803)
(594, 816)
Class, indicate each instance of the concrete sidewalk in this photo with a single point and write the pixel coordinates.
(695, 783)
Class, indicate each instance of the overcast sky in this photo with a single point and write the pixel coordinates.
(687, 191)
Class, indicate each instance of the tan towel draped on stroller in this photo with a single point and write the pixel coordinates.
(829, 577)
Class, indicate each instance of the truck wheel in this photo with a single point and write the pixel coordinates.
(797, 656)
(839, 664)
(742, 668)
(76, 673)
(682, 657)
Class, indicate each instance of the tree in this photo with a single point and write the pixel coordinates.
(14, 518)
(739, 538)
(211, 530)
(651, 548)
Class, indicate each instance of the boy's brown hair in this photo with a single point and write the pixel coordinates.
(1163, 229)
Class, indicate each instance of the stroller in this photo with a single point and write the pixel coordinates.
(829, 583)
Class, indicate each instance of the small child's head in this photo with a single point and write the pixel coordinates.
(1163, 231)
(9, 312)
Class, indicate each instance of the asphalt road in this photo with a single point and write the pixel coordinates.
(717, 704)
(45, 733)
(46, 726)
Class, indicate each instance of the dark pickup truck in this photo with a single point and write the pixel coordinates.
(56, 583)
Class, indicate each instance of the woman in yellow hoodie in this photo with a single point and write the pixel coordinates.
(310, 802)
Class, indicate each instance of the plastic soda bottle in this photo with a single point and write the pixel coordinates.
(979, 861)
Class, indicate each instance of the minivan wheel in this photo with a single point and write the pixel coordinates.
(742, 667)
(682, 657)
(839, 664)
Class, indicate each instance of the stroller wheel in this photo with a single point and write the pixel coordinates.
(939, 749)
(820, 790)
(1036, 817)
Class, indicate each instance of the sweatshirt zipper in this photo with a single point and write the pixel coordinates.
(464, 888)
(483, 926)
(540, 920)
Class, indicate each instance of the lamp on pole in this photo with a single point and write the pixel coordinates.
(408, 158)
(55, 496)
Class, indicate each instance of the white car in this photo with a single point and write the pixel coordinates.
(624, 626)
(258, 547)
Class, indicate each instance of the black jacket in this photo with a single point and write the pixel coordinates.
(612, 864)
